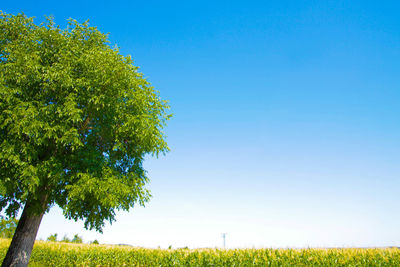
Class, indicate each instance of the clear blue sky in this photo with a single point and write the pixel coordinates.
(286, 127)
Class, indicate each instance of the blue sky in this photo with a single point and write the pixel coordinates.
(286, 129)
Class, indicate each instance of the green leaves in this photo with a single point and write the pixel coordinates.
(76, 120)
(7, 227)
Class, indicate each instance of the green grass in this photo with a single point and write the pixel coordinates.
(66, 254)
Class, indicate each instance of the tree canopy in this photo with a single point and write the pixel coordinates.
(77, 119)
(7, 227)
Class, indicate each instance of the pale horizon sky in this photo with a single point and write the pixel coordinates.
(286, 129)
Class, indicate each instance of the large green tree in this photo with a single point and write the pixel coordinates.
(76, 122)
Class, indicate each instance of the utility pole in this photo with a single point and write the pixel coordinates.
(224, 236)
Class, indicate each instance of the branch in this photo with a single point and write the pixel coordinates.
(85, 125)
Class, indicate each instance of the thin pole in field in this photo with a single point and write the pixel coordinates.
(224, 236)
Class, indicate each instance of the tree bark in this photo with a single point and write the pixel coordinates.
(21, 246)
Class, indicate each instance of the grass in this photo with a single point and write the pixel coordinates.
(66, 254)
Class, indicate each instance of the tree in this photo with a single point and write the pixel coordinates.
(77, 239)
(65, 239)
(52, 238)
(7, 227)
(76, 122)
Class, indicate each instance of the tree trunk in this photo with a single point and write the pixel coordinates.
(21, 246)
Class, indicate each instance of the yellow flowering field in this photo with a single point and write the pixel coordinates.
(47, 253)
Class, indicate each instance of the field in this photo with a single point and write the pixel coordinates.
(65, 254)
